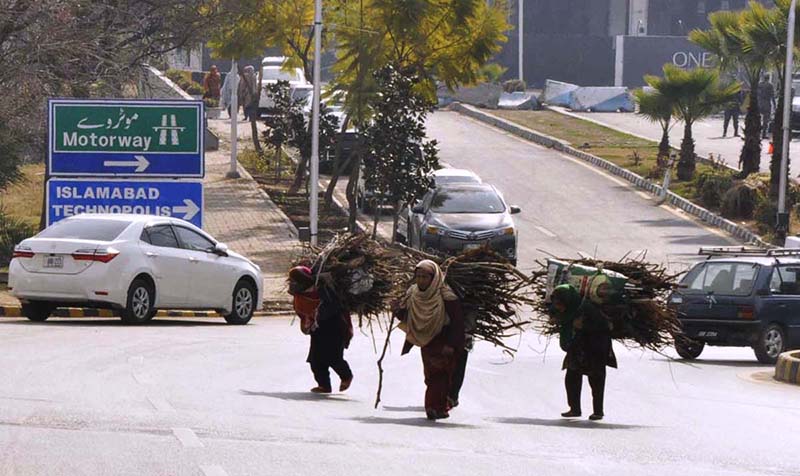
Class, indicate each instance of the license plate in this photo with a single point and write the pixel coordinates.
(472, 246)
(708, 334)
(54, 262)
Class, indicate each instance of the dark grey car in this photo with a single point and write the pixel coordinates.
(458, 217)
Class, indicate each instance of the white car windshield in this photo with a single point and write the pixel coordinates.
(274, 73)
(467, 201)
(86, 229)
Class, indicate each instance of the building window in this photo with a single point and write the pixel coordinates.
(701, 7)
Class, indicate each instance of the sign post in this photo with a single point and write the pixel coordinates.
(122, 156)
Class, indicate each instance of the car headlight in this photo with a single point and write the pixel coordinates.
(434, 230)
(509, 230)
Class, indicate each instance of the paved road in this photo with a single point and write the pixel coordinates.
(190, 398)
(707, 135)
(567, 206)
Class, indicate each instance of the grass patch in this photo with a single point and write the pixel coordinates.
(23, 200)
(295, 205)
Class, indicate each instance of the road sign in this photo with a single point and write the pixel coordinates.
(181, 199)
(154, 138)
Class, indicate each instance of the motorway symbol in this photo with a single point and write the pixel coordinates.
(181, 199)
(154, 138)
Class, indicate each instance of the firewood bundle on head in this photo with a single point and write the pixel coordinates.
(367, 276)
(632, 294)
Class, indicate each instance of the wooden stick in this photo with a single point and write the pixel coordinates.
(380, 361)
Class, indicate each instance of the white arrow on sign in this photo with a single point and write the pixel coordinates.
(141, 163)
(189, 211)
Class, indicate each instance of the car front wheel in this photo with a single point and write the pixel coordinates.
(771, 343)
(689, 349)
(244, 304)
(139, 307)
(37, 311)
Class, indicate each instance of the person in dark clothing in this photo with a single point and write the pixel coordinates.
(766, 104)
(432, 319)
(329, 326)
(585, 336)
(461, 358)
(732, 112)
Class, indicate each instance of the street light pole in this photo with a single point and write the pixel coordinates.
(521, 38)
(314, 188)
(783, 217)
(233, 172)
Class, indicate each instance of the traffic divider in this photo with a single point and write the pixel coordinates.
(787, 368)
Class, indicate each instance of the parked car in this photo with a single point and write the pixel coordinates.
(134, 263)
(272, 71)
(448, 176)
(741, 298)
(458, 217)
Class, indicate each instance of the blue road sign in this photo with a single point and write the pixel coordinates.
(181, 199)
(154, 138)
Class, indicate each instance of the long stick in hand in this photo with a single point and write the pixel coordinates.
(380, 360)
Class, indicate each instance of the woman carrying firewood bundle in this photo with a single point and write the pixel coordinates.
(432, 319)
(585, 336)
(323, 317)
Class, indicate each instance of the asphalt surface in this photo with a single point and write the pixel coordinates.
(568, 206)
(203, 398)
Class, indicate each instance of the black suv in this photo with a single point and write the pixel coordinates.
(741, 297)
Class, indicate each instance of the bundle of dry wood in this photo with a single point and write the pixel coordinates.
(631, 293)
(368, 276)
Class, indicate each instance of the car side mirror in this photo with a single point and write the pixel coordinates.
(417, 209)
(515, 209)
(221, 249)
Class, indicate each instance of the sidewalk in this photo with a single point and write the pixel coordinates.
(238, 213)
(707, 135)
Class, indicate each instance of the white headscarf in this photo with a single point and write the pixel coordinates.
(426, 310)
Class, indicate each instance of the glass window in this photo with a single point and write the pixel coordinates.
(784, 279)
(468, 201)
(275, 73)
(194, 241)
(733, 279)
(163, 236)
(86, 229)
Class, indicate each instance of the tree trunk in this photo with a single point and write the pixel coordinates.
(352, 188)
(686, 163)
(376, 217)
(750, 158)
(300, 171)
(395, 220)
(254, 119)
(278, 154)
(777, 150)
(663, 146)
(337, 170)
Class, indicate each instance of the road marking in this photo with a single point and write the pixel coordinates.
(187, 438)
(545, 231)
(213, 471)
(160, 404)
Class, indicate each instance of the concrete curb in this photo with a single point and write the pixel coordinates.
(16, 311)
(677, 201)
(787, 368)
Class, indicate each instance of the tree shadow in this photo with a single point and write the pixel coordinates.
(420, 422)
(404, 409)
(114, 322)
(718, 363)
(568, 423)
(298, 396)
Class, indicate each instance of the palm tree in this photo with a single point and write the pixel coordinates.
(656, 107)
(695, 94)
(729, 39)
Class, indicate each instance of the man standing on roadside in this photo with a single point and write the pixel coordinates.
(732, 111)
(766, 104)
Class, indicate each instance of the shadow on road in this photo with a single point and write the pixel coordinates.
(404, 409)
(298, 396)
(697, 240)
(114, 322)
(720, 363)
(666, 222)
(564, 423)
(418, 422)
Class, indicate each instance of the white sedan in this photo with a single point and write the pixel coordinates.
(134, 263)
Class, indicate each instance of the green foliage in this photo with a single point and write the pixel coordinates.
(399, 160)
(514, 85)
(211, 102)
(184, 81)
(742, 199)
(10, 156)
(765, 215)
(12, 231)
(491, 73)
(711, 186)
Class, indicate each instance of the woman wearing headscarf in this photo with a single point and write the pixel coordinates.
(585, 335)
(212, 83)
(247, 92)
(325, 319)
(431, 317)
